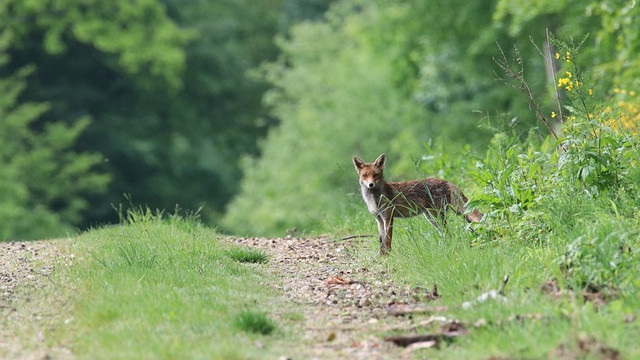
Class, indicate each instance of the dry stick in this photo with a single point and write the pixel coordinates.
(523, 86)
(407, 340)
(553, 73)
(424, 323)
(549, 59)
(356, 236)
(401, 310)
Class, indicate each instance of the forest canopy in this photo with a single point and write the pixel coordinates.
(251, 111)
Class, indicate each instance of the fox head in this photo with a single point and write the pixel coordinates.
(370, 173)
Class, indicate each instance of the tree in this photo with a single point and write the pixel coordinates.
(164, 82)
(44, 183)
(335, 95)
(381, 76)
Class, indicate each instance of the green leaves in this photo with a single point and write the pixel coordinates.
(335, 96)
(138, 34)
(43, 182)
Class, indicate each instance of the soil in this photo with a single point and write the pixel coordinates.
(30, 304)
(336, 309)
(348, 310)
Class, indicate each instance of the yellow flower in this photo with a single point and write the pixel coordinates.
(557, 55)
(632, 93)
(590, 91)
(569, 75)
(616, 90)
(563, 81)
(567, 84)
(590, 116)
(553, 114)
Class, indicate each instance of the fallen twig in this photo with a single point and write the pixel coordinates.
(408, 309)
(419, 345)
(492, 294)
(356, 236)
(406, 340)
(424, 323)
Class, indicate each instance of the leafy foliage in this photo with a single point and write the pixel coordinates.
(324, 120)
(44, 182)
(177, 93)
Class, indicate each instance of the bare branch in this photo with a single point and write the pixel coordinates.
(518, 76)
(553, 73)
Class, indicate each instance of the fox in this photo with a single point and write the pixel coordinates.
(388, 200)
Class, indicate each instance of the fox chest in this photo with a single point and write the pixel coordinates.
(372, 199)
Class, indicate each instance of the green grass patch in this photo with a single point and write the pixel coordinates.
(166, 289)
(533, 323)
(254, 322)
(245, 255)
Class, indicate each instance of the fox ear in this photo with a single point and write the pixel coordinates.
(380, 161)
(358, 163)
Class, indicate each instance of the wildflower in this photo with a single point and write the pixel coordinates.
(590, 116)
(563, 82)
(557, 55)
(569, 75)
(632, 93)
(590, 91)
(567, 84)
(616, 90)
(553, 114)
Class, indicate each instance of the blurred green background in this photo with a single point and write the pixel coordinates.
(252, 111)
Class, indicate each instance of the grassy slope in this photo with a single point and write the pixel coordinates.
(532, 323)
(166, 290)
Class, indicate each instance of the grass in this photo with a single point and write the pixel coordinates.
(243, 255)
(168, 289)
(254, 322)
(532, 323)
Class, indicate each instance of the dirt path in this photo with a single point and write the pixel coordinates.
(29, 305)
(345, 307)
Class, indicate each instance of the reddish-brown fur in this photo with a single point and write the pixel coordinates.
(387, 200)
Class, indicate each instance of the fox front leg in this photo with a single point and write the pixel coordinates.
(388, 235)
(385, 229)
(381, 230)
